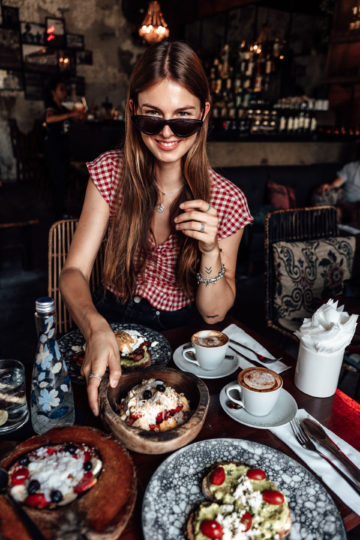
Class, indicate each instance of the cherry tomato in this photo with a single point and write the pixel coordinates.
(19, 476)
(256, 474)
(273, 497)
(217, 477)
(37, 500)
(211, 529)
(246, 519)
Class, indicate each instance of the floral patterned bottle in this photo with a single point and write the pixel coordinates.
(52, 403)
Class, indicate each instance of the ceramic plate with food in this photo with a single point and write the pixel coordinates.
(145, 345)
(175, 489)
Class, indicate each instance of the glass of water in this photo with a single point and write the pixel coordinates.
(14, 411)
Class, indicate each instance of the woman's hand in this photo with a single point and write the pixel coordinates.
(101, 351)
(199, 220)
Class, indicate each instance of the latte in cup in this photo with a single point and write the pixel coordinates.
(258, 389)
(259, 379)
(209, 338)
(209, 348)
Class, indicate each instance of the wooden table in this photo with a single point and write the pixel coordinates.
(339, 413)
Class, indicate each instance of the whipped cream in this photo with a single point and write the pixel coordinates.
(137, 340)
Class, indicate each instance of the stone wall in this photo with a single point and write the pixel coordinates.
(107, 34)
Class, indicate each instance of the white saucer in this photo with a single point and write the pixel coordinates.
(284, 411)
(226, 368)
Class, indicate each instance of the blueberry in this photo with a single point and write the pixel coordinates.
(71, 448)
(160, 387)
(24, 461)
(56, 496)
(33, 487)
(87, 466)
(147, 394)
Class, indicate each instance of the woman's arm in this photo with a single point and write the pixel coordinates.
(101, 346)
(200, 221)
(51, 117)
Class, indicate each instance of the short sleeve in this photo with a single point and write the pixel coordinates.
(106, 172)
(231, 205)
(347, 171)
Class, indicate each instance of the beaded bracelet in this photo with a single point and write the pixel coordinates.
(201, 279)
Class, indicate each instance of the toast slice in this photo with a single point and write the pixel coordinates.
(133, 354)
(236, 492)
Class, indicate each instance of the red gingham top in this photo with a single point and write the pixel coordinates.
(157, 282)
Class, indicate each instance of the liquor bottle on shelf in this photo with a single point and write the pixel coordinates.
(52, 403)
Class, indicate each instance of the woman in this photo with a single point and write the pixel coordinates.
(57, 118)
(174, 224)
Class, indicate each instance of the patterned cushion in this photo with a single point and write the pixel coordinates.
(280, 196)
(307, 272)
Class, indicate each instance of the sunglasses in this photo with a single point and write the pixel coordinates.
(152, 125)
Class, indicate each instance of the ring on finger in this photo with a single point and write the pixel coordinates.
(96, 376)
(202, 227)
(208, 208)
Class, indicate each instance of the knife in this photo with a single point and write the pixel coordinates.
(254, 362)
(317, 433)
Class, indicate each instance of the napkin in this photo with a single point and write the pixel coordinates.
(320, 466)
(330, 329)
(236, 333)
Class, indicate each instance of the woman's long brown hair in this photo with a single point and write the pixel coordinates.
(127, 245)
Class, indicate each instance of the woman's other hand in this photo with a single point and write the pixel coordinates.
(200, 221)
(101, 352)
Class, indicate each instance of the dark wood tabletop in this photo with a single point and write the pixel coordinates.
(339, 413)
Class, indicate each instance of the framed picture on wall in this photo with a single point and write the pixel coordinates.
(84, 58)
(55, 32)
(34, 86)
(10, 17)
(39, 58)
(11, 80)
(10, 51)
(32, 33)
(74, 41)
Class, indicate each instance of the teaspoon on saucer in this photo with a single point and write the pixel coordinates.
(32, 529)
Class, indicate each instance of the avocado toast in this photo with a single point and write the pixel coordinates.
(242, 504)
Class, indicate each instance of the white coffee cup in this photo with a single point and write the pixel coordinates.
(259, 390)
(209, 347)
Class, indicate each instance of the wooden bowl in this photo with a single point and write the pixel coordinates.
(150, 442)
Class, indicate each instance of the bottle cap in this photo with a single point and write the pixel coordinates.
(45, 304)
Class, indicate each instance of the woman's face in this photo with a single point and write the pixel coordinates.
(60, 92)
(168, 99)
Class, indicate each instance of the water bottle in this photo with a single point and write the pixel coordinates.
(52, 403)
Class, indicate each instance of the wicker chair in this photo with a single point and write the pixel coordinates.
(60, 236)
(293, 225)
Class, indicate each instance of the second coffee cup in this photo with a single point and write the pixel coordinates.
(258, 388)
(209, 348)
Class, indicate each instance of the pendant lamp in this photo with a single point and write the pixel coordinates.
(154, 27)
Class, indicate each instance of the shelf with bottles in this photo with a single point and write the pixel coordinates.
(287, 116)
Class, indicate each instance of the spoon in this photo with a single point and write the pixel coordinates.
(32, 529)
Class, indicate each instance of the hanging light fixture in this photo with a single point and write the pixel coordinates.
(154, 27)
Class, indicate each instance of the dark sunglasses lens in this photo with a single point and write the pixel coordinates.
(149, 125)
(183, 127)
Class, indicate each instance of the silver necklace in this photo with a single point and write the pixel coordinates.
(160, 208)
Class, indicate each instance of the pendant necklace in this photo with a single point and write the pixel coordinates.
(160, 208)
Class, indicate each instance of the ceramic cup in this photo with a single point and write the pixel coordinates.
(259, 390)
(316, 373)
(209, 348)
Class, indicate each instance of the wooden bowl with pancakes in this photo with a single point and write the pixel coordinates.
(191, 390)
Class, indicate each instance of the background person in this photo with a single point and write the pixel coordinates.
(174, 224)
(58, 123)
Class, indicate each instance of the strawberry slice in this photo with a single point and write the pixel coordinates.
(19, 477)
(87, 481)
(50, 451)
(217, 477)
(37, 500)
(87, 456)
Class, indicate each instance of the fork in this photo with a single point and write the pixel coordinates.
(261, 357)
(304, 441)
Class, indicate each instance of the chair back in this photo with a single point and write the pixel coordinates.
(60, 237)
(297, 224)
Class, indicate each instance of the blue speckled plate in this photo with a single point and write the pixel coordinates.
(160, 349)
(175, 490)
